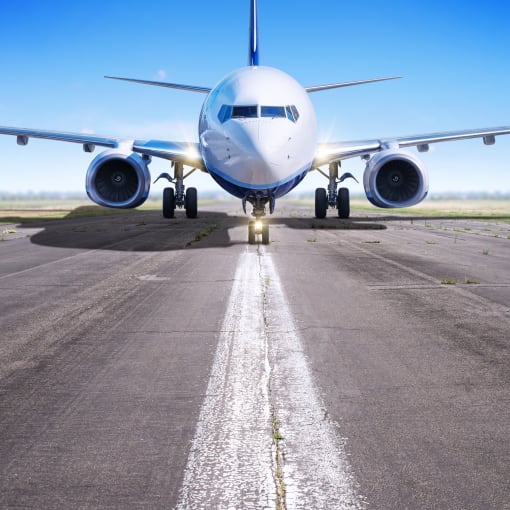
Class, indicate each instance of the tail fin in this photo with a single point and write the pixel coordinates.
(253, 57)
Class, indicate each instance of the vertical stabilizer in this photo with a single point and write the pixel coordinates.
(253, 57)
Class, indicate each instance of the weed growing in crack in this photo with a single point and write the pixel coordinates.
(280, 483)
(6, 232)
(203, 234)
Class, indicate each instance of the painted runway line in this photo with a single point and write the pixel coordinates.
(263, 439)
(229, 465)
(316, 472)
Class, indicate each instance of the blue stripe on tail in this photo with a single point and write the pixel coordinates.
(253, 57)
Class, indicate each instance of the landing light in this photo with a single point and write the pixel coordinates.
(258, 227)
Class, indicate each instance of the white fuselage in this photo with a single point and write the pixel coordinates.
(257, 132)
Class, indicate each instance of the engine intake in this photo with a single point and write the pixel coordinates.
(116, 179)
(394, 178)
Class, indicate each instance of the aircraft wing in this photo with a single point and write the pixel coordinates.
(24, 134)
(191, 88)
(183, 152)
(331, 152)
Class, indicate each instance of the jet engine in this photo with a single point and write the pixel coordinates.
(116, 179)
(395, 178)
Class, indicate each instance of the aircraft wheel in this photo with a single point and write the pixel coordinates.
(343, 203)
(321, 203)
(265, 233)
(191, 202)
(168, 203)
(251, 232)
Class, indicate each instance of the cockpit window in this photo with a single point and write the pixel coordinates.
(252, 112)
(244, 112)
(272, 111)
(225, 113)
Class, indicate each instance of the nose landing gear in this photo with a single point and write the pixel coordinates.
(257, 228)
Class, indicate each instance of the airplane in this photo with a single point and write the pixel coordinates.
(258, 140)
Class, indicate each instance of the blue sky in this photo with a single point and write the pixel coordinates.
(453, 56)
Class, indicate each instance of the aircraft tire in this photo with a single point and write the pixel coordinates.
(168, 203)
(265, 233)
(343, 203)
(321, 203)
(251, 233)
(191, 202)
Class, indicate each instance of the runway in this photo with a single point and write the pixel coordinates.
(349, 364)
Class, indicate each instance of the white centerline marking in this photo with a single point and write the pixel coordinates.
(229, 465)
(316, 471)
(259, 377)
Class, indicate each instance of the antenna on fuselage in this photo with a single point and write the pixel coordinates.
(253, 57)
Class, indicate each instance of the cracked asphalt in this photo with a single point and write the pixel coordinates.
(387, 336)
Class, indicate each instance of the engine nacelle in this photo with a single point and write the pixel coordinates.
(395, 178)
(116, 179)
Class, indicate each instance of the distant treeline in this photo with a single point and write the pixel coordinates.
(81, 195)
(438, 195)
(472, 195)
(43, 195)
(219, 195)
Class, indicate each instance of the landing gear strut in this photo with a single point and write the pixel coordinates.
(180, 197)
(257, 227)
(333, 197)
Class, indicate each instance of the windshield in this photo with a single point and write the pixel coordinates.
(239, 112)
(254, 111)
(272, 111)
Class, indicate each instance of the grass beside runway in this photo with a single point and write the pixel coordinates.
(448, 207)
(486, 209)
(24, 211)
(26, 215)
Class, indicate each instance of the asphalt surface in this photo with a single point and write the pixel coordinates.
(151, 363)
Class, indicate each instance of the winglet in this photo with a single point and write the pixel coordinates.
(253, 57)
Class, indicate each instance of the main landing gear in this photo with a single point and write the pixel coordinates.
(257, 228)
(333, 197)
(179, 197)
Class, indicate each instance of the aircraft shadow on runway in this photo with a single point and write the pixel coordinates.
(137, 231)
(149, 231)
(88, 228)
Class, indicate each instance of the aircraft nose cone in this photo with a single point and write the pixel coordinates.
(271, 145)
